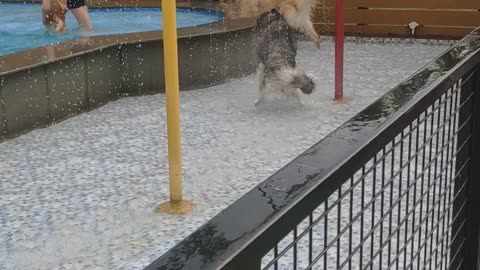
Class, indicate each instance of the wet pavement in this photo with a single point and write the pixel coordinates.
(80, 194)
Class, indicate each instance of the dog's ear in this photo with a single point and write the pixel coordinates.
(263, 19)
(259, 20)
(274, 11)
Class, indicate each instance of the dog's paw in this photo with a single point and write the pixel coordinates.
(259, 99)
(59, 31)
(300, 101)
(60, 27)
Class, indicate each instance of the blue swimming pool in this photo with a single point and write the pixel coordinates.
(21, 25)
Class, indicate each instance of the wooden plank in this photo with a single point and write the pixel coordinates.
(324, 15)
(437, 4)
(398, 31)
(111, 3)
(124, 3)
(367, 16)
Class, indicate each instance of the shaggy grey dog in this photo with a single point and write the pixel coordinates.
(276, 51)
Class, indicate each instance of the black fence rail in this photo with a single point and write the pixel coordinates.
(396, 187)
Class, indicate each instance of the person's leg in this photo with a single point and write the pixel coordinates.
(80, 12)
(82, 17)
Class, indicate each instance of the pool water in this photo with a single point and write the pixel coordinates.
(21, 25)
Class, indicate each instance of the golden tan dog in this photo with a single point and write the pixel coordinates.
(298, 13)
(53, 15)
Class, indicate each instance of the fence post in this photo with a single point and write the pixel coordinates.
(465, 220)
(472, 235)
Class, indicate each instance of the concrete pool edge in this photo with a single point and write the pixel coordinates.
(45, 85)
(31, 58)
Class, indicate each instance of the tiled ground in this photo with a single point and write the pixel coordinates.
(81, 194)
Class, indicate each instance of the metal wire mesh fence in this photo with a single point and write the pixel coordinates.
(395, 212)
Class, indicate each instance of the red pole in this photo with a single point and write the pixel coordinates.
(339, 43)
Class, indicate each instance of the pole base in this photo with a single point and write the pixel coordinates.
(175, 208)
(342, 100)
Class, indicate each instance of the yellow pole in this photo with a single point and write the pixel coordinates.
(176, 205)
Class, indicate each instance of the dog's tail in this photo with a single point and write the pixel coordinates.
(297, 79)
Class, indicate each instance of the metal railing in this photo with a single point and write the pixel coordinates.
(396, 187)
